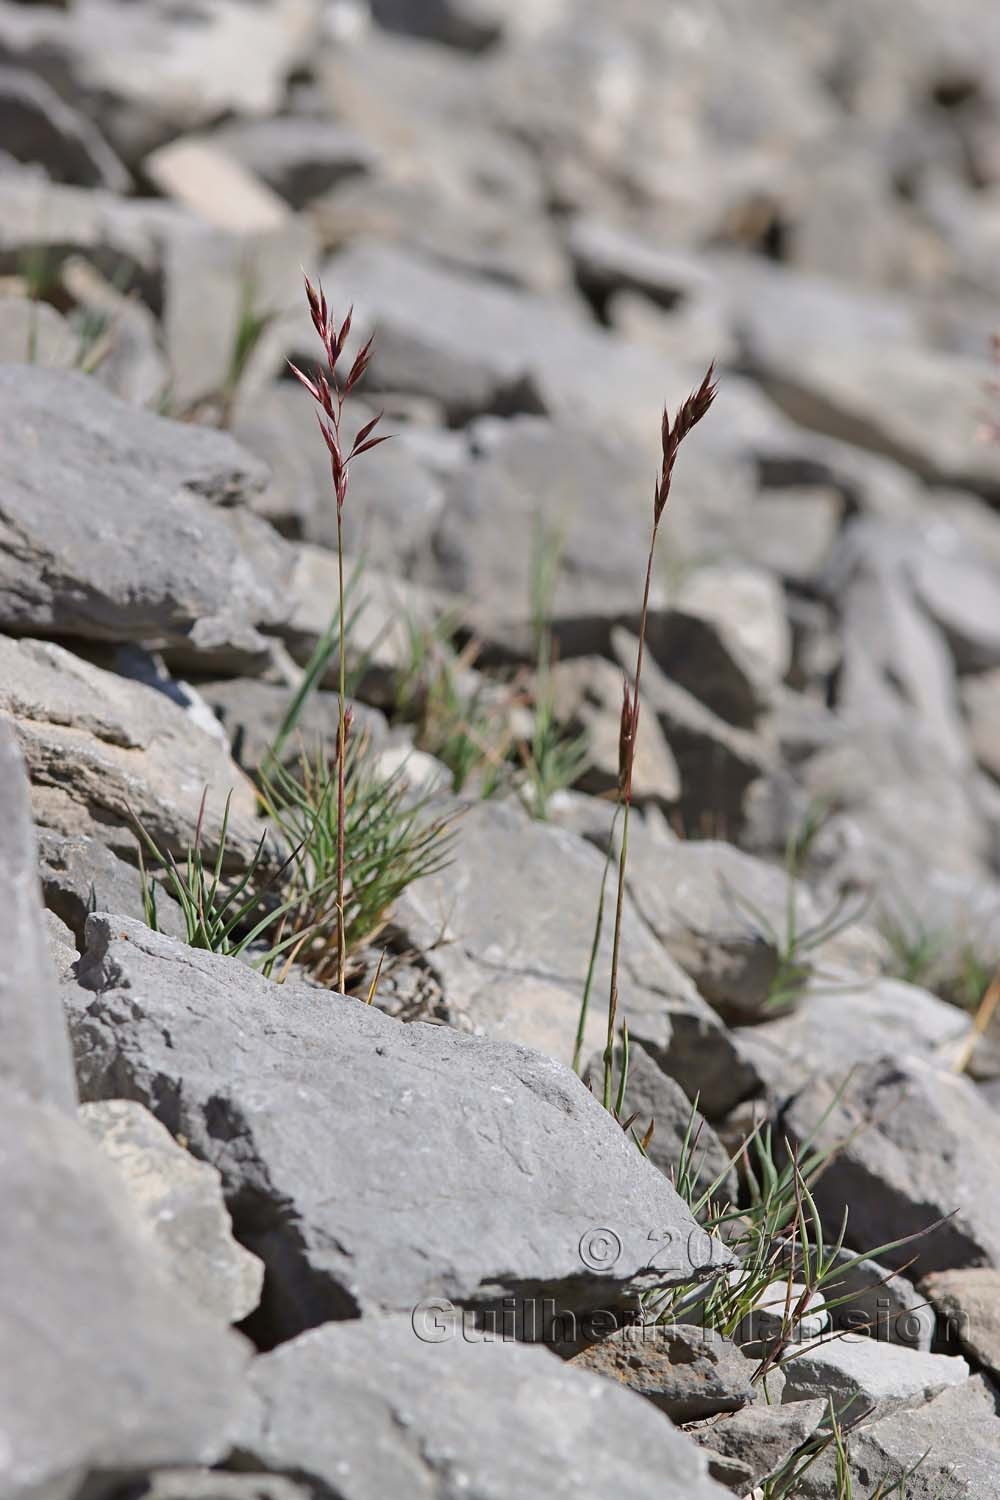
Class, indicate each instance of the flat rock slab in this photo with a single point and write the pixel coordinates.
(372, 1164)
(860, 1373)
(367, 1410)
(112, 524)
(888, 1115)
(517, 909)
(34, 1048)
(178, 1201)
(97, 745)
(106, 1369)
(687, 1372)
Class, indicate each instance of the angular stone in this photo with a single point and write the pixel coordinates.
(760, 1437)
(537, 484)
(252, 713)
(918, 406)
(202, 177)
(489, 1201)
(896, 661)
(791, 531)
(111, 1372)
(63, 952)
(517, 909)
(37, 126)
(41, 221)
(847, 1014)
(152, 74)
(178, 1203)
(214, 1484)
(98, 747)
(928, 1148)
(480, 347)
(300, 158)
(112, 524)
(35, 1054)
(723, 916)
(608, 258)
(947, 1449)
(887, 1307)
(718, 762)
(80, 875)
(587, 696)
(654, 1096)
(213, 278)
(687, 1372)
(726, 639)
(861, 1373)
(366, 1410)
(125, 356)
(968, 1308)
(385, 608)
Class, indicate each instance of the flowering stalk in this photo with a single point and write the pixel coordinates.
(329, 395)
(672, 434)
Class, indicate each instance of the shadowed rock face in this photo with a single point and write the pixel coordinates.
(34, 1052)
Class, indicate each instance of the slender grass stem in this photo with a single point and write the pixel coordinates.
(341, 757)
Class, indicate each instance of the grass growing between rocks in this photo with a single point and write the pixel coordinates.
(356, 837)
(388, 839)
(786, 1482)
(464, 727)
(231, 919)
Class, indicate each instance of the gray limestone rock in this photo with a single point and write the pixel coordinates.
(107, 1371)
(100, 749)
(505, 1180)
(517, 909)
(113, 524)
(368, 1410)
(178, 1202)
(34, 1055)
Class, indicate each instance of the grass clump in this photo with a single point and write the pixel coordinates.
(231, 918)
(389, 839)
(465, 727)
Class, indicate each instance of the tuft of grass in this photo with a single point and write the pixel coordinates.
(220, 917)
(466, 730)
(385, 838)
(796, 945)
(777, 1235)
